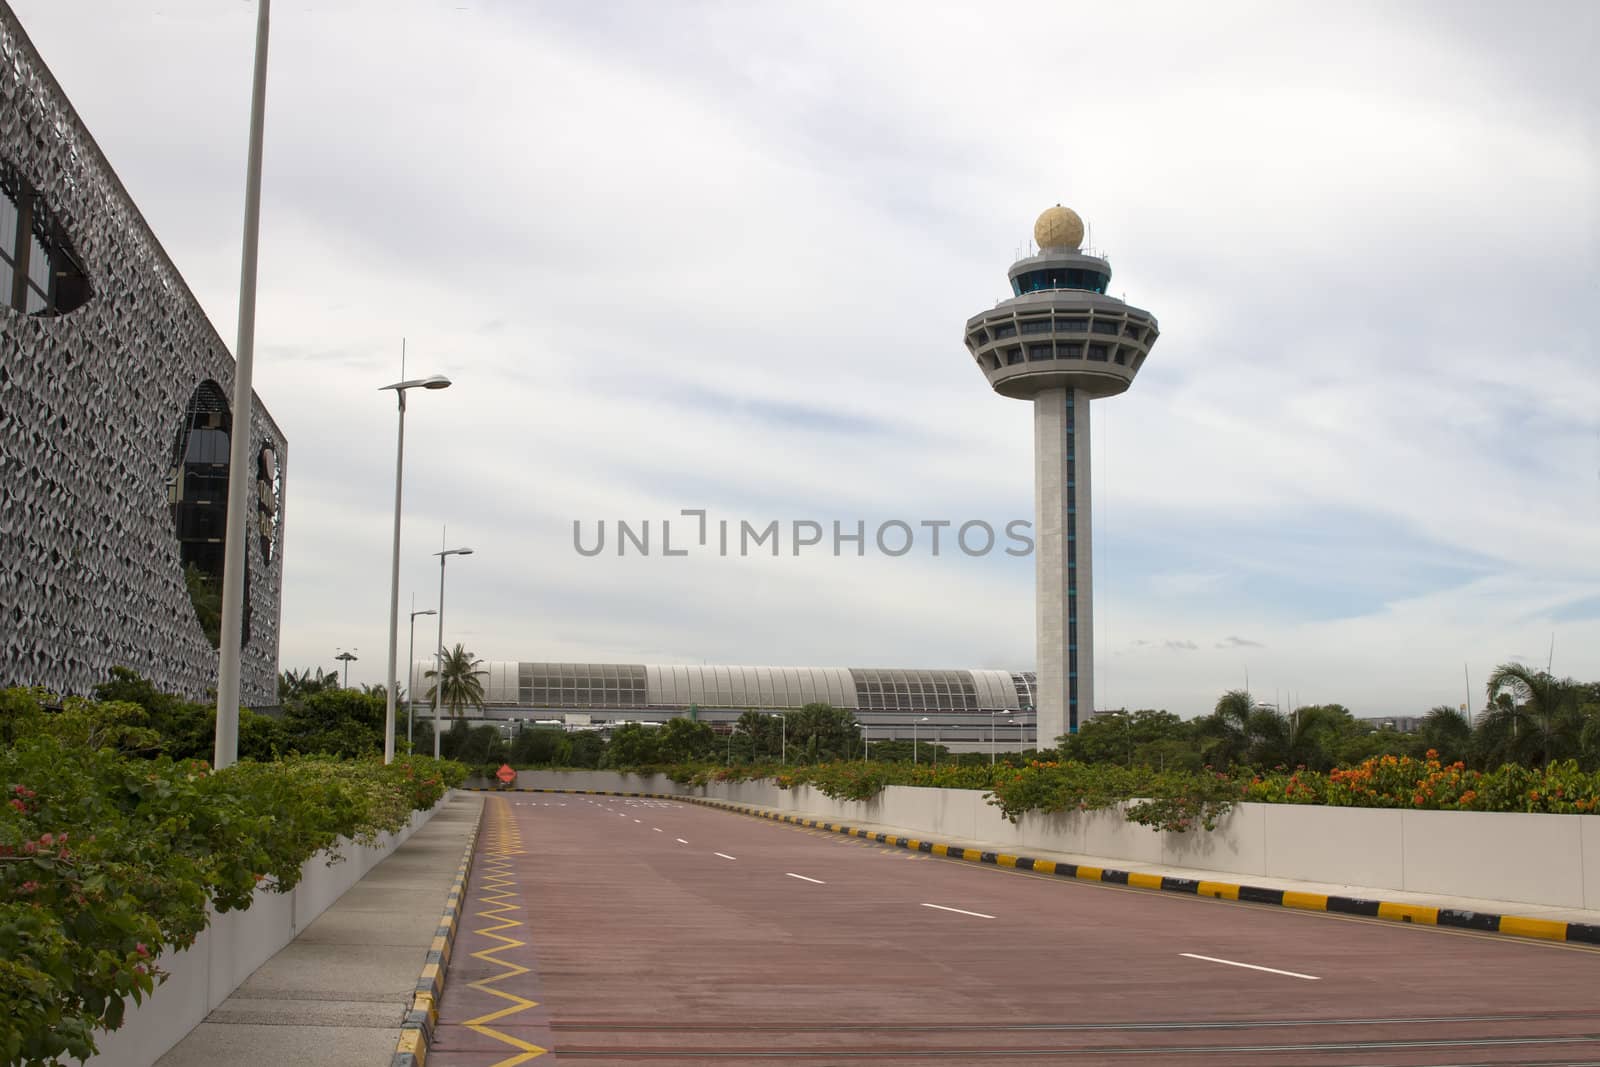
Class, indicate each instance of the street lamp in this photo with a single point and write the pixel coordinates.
(992, 713)
(866, 745)
(438, 652)
(783, 720)
(438, 381)
(411, 666)
(733, 729)
(225, 749)
(347, 658)
(914, 739)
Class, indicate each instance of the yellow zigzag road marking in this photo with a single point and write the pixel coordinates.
(498, 888)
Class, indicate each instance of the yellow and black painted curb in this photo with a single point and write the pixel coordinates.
(1426, 915)
(416, 1032)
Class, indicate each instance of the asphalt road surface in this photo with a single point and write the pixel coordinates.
(612, 930)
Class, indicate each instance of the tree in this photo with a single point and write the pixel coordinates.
(338, 722)
(541, 746)
(588, 748)
(1541, 721)
(460, 672)
(823, 732)
(760, 736)
(1225, 733)
(683, 740)
(1120, 736)
(632, 744)
(295, 684)
(1447, 732)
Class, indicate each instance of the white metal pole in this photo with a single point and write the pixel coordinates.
(991, 738)
(237, 546)
(411, 662)
(913, 742)
(394, 574)
(438, 659)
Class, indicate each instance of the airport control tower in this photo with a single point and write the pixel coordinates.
(1061, 342)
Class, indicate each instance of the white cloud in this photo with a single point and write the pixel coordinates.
(712, 256)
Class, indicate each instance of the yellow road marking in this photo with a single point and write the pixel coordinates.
(504, 841)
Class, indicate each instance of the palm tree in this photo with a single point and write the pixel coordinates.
(295, 684)
(1539, 722)
(1226, 732)
(1448, 732)
(460, 674)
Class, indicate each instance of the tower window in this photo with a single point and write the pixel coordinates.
(1005, 329)
(1122, 355)
(1065, 350)
(1044, 351)
(1073, 325)
(1014, 354)
(1104, 326)
(1035, 325)
(1098, 352)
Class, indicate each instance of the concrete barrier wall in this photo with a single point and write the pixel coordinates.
(1535, 859)
(233, 946)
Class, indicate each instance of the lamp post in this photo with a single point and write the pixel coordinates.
(936, 745)
(866, 745)
(992, 713)
(438, 381)
(733, 729)
(783, 721)
(438, 652)
(347, 658)
(411, 666)
(225, 751)
(914, 739)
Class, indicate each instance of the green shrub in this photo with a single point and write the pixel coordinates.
(109, 857)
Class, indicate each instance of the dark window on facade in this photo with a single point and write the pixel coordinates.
(1005, 329)
(1104, 326)
(1098, 352)
(981, 337)
(1035, 325)
(1044, 351)
(1122, 355)
(1073, 325)
(39, 273)
(1133, 330)
(1014, 354)
(1066, 350)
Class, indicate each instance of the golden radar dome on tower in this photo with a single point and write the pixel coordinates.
(1058, 228)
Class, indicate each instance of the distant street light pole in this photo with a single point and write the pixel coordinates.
(411, 666)
(438, 652)
(914, 739)
(236, 547)
(783, 720)
(866, 745)
(347, 658)
(438, 381)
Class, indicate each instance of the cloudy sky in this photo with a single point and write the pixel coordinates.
(718, 256)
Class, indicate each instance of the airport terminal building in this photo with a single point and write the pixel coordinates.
(954, 705)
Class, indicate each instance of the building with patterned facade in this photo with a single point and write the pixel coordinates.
(114, 426)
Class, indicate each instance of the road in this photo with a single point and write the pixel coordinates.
(611, 930)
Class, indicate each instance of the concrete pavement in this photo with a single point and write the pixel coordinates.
(336, 996)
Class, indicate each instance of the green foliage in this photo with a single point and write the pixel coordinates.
(293, 685)
(112, 848)
(632, 745)
(205, 593)
(684, 740)
(110, 856)
(820, 732)
(541, 747)
(335, 722)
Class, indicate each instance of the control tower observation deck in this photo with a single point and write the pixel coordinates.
(1061, 342)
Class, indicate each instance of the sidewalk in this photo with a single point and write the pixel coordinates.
(338, 993)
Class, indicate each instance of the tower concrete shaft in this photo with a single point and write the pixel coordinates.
(1063, 562)
(1060, 341)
